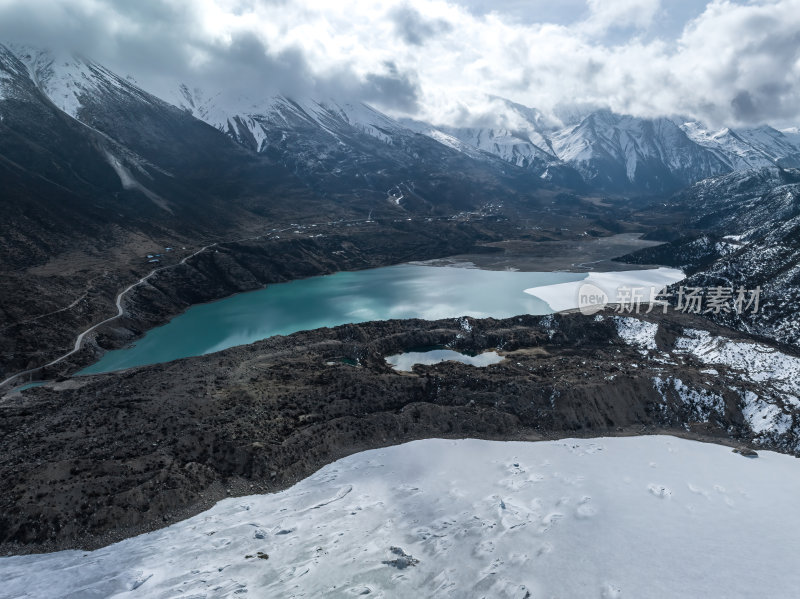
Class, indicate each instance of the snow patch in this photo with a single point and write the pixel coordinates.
(128, 181)
(764, 417)
(758, 362)
(640, 333)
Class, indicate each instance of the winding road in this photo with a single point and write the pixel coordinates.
(120, 311)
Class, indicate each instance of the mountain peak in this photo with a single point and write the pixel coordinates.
(69, 79)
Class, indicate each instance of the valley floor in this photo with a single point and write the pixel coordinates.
(644, 517)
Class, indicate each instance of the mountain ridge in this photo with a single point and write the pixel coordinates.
(602, 150)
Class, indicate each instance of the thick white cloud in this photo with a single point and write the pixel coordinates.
(735, 63)
(605, 15)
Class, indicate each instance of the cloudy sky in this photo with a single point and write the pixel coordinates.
(723, 62)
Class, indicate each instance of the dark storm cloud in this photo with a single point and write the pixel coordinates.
(415, 29)
(755, 61)
(394, 89)
(246, 65)
(744, 109)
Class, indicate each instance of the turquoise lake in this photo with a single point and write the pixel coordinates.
(403, 291)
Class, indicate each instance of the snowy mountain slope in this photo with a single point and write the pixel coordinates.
(250, 122)
(779, 148)
(516, 147)
(603, 150)
(131, 123)
(748, 148)
(12, 72)
(522, 137)
(69, 80)
(345, 155)
(61, 181)
(644, 517)
(443, 138)
(750, 237)
(728, 146)
(349, 148)
(281, 124)
(764, 380)
(624, 153)
(793, 135)
(149, 142)
(613, 151)
(83, 150)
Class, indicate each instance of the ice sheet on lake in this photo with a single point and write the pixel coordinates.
(564, 296)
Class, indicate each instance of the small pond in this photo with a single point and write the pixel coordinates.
(407, 360)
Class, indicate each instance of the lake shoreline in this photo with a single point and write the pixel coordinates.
(403, 291)
(253, 263)
(253, 315)
(163, 442)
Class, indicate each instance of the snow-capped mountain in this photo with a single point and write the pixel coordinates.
(70, 125)
(283, 124)
(614, 152)
(522, 138)
(743, 149)
(253, 123)
(602, 150)
(344, 145)
(70, 81)
(339, 145)
(516, 147)
(95, 157)
(623, 153)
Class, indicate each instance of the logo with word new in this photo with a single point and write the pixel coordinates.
(591, 299)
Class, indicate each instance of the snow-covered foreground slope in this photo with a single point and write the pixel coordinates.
(612, 517)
